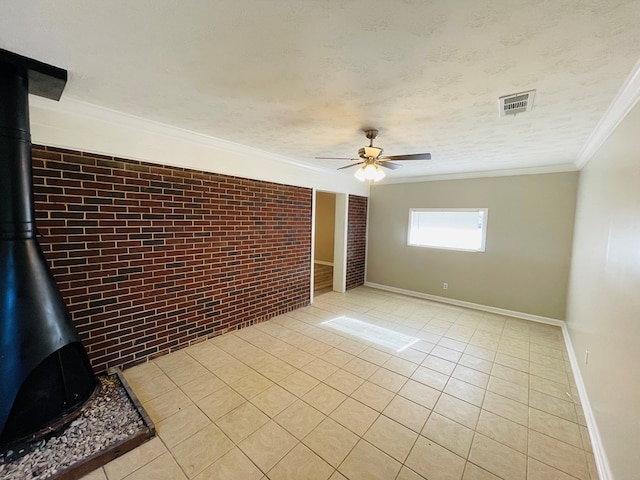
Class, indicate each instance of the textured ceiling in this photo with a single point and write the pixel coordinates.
(301, 78)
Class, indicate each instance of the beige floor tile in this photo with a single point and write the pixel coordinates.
(586, 439)
(457, 410)
(331, 441)
(180, 376)
(232, 372)
(549, 387)
(446, 354)
(366, 461)
(439, 364)
(181, 425)
(476, 363)
(202, 386)
(267, 445)
(337, 476)
(251, 385)
(555, 427)
(592, 467)
(465, 391)
(508, 389)
(392, 438)
(550, 373)
(142, 372)
(167, 404)
(434, 462)
(469, 375)
(298, 383)
(481, 352)
(360, 367)
(276, 370)
(400, 366)
(273, 400)
(324, 398)
(407, 413)
(413, 354)
(408, 474)
(337, 357)
(241, 422)
(387, 379)
(449, 342)
(374, 355)
(354, 415)
(502, 430)
(220, 403)
(122, 466)
(352, 346)
(512, 362)
(95, 475)
(448, 434)
(430, 377)
(511, 375)
(299, 419)
(507, 408)
(498, 459)
(162, 468)
(344, 381)
(319, 369)
(420, 393)
(232, 466)
(539, 471)
(372, 395)
(202, 449)
(553, 405)
(148, 388)
(473, 472)
(301, 463)
(558, 454)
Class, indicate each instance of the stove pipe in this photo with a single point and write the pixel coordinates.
(45, 373)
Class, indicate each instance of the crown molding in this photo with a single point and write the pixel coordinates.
(624, 101)
(556, 168)
(77, 107)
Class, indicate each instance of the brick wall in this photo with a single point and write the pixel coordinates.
(356, 240)
(150, 259)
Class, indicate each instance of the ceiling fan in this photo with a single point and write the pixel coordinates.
(370, 160)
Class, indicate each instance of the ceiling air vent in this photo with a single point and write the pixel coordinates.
(516, 103)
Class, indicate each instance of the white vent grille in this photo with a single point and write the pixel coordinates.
(516, 103)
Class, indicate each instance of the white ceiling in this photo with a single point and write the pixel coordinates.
(301, 78)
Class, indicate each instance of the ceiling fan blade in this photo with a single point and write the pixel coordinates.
(414, 156)
(336, 158)
(389, 165)
(352, 165)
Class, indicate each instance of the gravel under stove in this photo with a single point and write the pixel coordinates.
(107, 419)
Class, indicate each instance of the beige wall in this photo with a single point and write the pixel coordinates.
(603, 313)
(325, 226)
(525, 267)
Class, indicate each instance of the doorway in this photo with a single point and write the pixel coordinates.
(324, 251)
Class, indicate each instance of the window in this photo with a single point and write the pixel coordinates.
(450, 228)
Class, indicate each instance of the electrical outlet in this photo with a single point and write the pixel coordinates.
(586, 356)
(445, 286)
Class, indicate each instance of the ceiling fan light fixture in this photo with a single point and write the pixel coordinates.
(369, 172)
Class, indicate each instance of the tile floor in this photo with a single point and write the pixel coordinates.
(476, 397)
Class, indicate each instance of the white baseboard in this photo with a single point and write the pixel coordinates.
(322, 262)
(474, 306)
(604, 470)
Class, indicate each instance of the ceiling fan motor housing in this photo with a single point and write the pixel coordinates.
(369, 152)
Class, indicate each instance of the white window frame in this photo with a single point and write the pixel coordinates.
(484, 227)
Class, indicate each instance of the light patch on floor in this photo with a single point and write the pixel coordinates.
(372, 333)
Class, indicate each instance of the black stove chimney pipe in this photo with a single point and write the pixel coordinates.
(44, 370)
